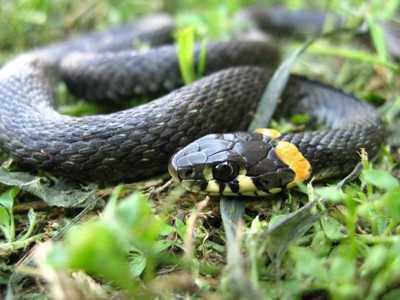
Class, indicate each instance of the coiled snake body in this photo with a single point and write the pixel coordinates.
(137, 143)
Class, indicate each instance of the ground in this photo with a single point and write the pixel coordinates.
(151, 239)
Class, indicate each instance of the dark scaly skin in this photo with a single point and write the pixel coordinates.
(283, 22)
(251, 153)
(155, 30)
(95, 76)
(126, 145)
(135, 143)
(353, 125)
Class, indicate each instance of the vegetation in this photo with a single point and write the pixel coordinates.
(152, 240)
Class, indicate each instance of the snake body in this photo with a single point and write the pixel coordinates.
(137, 143)
(260, 163)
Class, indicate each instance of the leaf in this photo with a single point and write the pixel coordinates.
(95, 248)
(375, 259)
(36, 17)
(320, 244)
(137, 264)
(334, 230)
(7, 198)
(307, 263)
(5, 218)
(300, 119)
(392, 294)
(134, 220)
(6, 213)
(54, 194)
(180, 228)
(280, 235)
(102, 246)
(390, 204)
(331, 193)
(167, 230)
(32, 222)
(380, 179)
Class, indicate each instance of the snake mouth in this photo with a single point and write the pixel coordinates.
(173, 172)
(195, 186)
(191, 185)
(240, 187)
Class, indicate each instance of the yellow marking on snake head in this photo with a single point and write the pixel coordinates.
(269, 132)
(228, 191)
(275, 190)
(246, 184)
(212, 187)
(291, 155)
(207, 173)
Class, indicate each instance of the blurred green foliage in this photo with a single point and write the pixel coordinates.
(350, 252)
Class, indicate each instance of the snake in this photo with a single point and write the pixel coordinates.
(202, 125)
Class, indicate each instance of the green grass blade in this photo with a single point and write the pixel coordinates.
(274, 89)
(378, 39)
(201, 68)
(185, 48)
(353, 55)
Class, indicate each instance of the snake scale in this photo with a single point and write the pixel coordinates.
(137, 143)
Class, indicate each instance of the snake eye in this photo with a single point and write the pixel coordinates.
(226, 171)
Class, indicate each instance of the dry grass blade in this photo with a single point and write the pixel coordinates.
(188, 245)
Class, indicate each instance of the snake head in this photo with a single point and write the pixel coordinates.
(231, 164)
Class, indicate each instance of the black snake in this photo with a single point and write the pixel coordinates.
(137, 143)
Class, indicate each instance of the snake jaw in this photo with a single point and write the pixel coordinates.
(173, 172)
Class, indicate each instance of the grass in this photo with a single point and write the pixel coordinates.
(152, 240)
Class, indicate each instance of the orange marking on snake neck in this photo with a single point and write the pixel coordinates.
(291, 155)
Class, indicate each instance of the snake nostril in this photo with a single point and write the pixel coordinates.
(187, 173)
